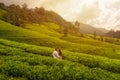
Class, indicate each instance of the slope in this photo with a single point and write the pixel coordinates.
(8, 31)
(21, 61)
(87, 29)
(2, 12)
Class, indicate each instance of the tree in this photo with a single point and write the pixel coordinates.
(40, 14)
(94, 35)
(25, 6)
(101, 38)
(81, 35)
(2, 6)
(41, 11)
(18, 16)
(77, 24)
(14, 15)
(65, 32)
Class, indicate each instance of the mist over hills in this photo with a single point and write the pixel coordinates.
(39, 15)
(87, 29)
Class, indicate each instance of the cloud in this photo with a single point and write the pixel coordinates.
(109, 16)
(99, 13)
(88, 11)
(82, 10)
(31, 3)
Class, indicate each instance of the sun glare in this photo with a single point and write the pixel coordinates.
(89, 2)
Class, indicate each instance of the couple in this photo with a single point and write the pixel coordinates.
(57, 53)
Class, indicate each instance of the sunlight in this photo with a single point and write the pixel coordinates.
(82, 10)
(89, 2)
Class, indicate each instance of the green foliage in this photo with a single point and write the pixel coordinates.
(51, 38)
(45, 28)
(82, 56)
(20, 16)
(4, 77)
(87, 60)
(34, 63)
(13, 15)
(2, 12)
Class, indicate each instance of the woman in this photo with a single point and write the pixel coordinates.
(60, 54)
(57, 53)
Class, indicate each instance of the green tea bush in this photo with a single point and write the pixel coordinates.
(62, 70)
(35, 63)
(106, 52)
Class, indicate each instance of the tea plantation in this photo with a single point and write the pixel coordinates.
(26, 54)
(20, 61)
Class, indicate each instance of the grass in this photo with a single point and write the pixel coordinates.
(85, 59)
(23, 62)
(30, 58)
(45, 28)
(45, 38)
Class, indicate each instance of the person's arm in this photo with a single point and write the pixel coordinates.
(54, 54)
(58, 56)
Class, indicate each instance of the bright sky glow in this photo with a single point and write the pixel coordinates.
(98, 13)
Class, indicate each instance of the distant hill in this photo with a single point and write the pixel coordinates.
(87, 29)
(77, 50)
(115, 34)
(20, 16)
(84, 57)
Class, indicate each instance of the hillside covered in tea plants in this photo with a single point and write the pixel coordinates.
(26, 51)
(20, 61)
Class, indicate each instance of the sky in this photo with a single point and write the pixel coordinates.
(98, 13)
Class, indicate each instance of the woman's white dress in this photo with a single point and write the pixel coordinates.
(55, 54)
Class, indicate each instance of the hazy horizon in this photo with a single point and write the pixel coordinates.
(98, 13)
